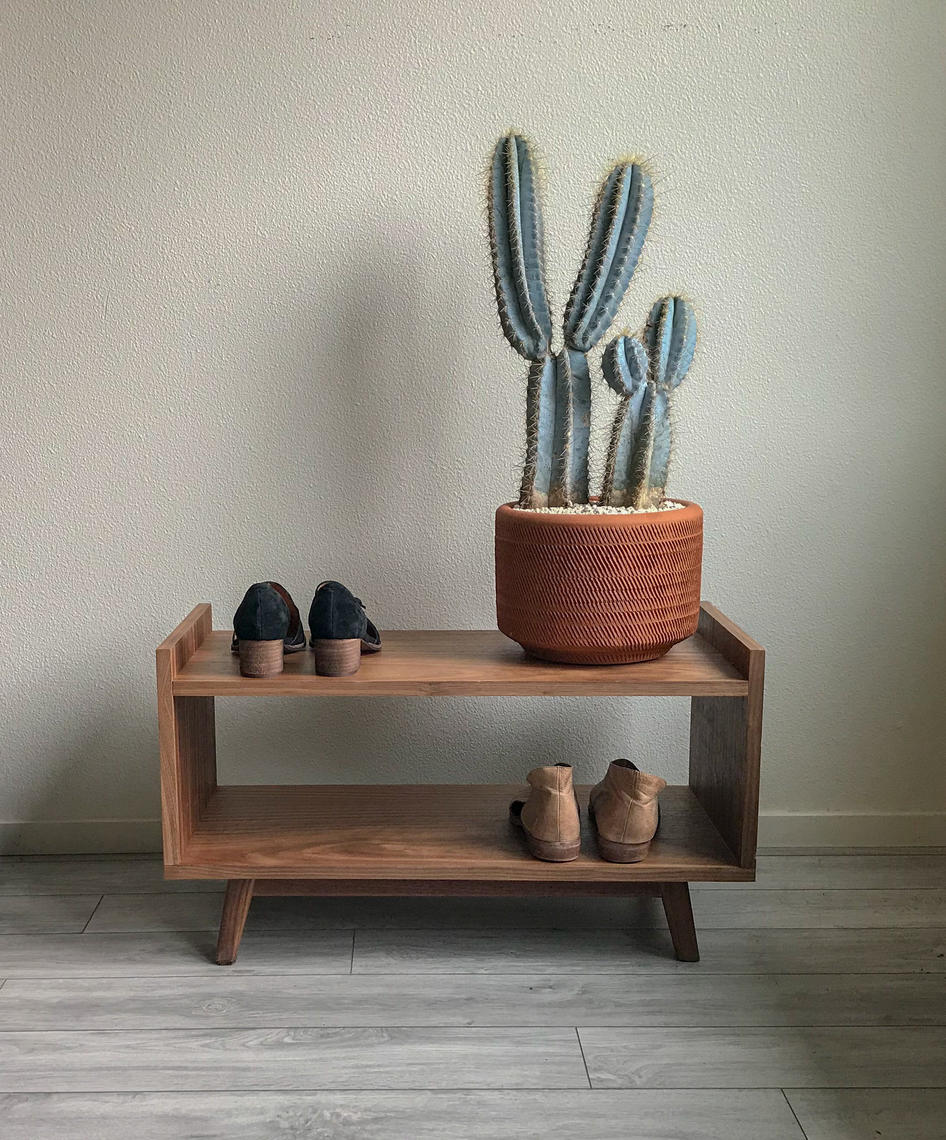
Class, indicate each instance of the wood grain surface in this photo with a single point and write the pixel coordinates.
(462, 662)
(288, 1057)
(434, 1018)
(552, 1114)
(750, 1057)
(228, 1001)
(416, 834)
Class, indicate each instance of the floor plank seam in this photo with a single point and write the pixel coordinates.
(343, 972)
(321, 1089)
(697, 885)
(873, 1088)
(791, 1109)
(777, 1027)
(599, 1090)
(483, 1026)
(445, 1091)
(450, 1025)
(577, 930)
(92, 915)
(223, 973)
(339, 973)
(584, 1059)
(208, 930)
(683, 972)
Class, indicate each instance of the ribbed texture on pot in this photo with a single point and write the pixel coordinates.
(598, 589)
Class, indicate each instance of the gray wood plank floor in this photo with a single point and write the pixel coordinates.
(46, 914)
(415, 1115)
(291, 1058)
(818, 1011)
(809, 1057)
(732, 908)
(745, 951)
(859, 1114)
(368, 1000)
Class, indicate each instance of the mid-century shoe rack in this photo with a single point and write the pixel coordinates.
(451, 839)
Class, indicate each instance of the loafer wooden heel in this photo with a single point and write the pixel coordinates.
(266, 626)
(337, 657)
(624, 812)
(552, 852)
(260, 658)
(339, 630)
(549, 817)
(613, 852)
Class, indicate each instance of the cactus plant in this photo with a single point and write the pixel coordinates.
(558, 395)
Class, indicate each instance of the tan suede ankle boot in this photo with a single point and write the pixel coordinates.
(549, 817)
(624, 812)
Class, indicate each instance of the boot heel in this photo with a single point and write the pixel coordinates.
(337, 657)
(622, 852)
(260, 658)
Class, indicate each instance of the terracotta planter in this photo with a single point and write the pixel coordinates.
(598, 589)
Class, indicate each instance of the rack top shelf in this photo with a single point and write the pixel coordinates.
(464, 662)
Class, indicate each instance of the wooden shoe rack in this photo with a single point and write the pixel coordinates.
(451, 839)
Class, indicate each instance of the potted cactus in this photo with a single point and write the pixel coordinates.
(613, 578)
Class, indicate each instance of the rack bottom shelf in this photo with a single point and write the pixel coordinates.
(427, 839)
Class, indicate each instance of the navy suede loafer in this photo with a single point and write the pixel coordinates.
(340, 630)
(266, 626)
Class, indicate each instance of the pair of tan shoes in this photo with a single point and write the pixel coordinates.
(623, 810)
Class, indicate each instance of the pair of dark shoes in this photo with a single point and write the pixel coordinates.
(267, 625)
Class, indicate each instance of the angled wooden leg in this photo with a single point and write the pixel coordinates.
(236, 906)
(676, 900)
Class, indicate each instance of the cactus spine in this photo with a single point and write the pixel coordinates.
(558, 395)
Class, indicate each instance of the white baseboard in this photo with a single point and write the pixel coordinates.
(776, 829)
(852, 829)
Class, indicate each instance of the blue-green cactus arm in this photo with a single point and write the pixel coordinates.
(618, 228)
(657, 336)
(515, 229)
(597, 238)
(660, 446)
(625, 367)
(540, 431)
(682, 342)
(637, 470)
(562, 437)
(625, 364)
(533, 242)
(617, 487)
(572, 430)
(580, 412)
(670, 337)
(671, 340)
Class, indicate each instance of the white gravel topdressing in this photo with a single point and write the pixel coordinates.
(597, 509)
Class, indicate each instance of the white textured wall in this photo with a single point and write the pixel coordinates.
(247, 331)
